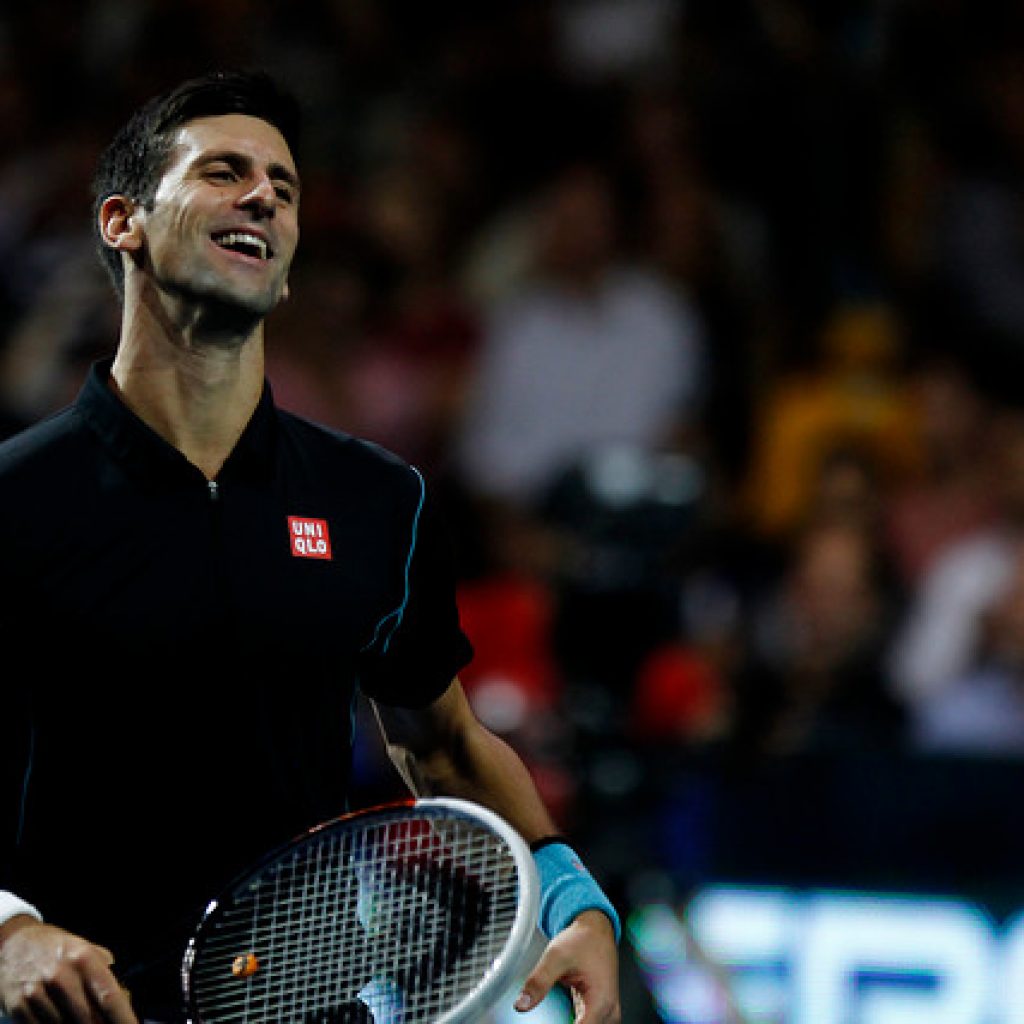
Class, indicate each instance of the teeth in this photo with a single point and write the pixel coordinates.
(243, 238)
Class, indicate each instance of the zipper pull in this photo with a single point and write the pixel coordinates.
(214, 489)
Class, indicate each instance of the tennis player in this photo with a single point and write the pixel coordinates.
(199, 584)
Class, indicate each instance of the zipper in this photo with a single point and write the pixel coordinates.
(215, 506)
(221, 590)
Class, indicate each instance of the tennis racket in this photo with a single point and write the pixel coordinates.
(421, 911)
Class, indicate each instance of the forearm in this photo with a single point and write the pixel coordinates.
(444, 750)
(473, 764)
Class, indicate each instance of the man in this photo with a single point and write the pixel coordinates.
(197, 583)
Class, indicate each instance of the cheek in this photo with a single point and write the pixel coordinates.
(289, 239)
(184, 229)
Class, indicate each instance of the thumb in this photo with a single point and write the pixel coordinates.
(540, 980)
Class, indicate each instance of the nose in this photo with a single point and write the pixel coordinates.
(260, 197)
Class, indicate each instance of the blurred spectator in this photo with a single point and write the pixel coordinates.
(949, 495)
(67, 326)
(953, 202)
(815, 675)
(981, 711)
(588, 353)
(592, 370)
(853, 396)
(788, 95)
(54, 292)
(635, 519)
(708, 244)
(942, 629)
(408, 376)
(979, 235)
(847, 490)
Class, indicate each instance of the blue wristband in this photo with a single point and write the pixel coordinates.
(567, 889)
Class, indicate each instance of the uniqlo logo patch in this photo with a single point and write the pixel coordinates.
(309, 537)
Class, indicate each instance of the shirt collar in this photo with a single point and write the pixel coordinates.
(149, 457)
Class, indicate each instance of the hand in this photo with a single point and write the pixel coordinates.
(49, 976)
(583, 958)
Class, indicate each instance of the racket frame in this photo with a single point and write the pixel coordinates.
(522, 947)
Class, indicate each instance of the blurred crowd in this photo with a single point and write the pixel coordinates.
(705, 319)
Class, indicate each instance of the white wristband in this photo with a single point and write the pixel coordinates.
(12, 906)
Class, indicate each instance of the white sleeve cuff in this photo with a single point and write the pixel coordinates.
(12, 906)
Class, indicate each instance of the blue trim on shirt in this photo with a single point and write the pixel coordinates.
(399, 612)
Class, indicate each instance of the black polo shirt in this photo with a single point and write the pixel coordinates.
(189, 653)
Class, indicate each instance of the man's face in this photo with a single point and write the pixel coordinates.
(223, 225)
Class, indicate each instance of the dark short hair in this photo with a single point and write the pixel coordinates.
(137, 156)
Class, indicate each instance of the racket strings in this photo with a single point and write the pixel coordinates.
(401, 921)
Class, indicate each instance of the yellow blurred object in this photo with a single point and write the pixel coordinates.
(855, 400)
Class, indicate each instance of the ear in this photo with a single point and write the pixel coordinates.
(119, 225)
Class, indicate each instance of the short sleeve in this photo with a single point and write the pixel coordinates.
(419, 647)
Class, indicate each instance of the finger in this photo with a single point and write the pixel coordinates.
(105, 955)
(109, 999)
(35, 1007)
(541, 979)
(595, 1005)
(73, 1002)
(112, 1001)
(86, 988)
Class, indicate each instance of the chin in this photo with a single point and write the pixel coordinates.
(231, 319)
(246, 304)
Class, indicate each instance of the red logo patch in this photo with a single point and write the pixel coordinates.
(309, 537)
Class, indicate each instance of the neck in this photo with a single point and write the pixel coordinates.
(198, 393)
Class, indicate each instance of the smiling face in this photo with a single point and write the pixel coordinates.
(222, 228)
